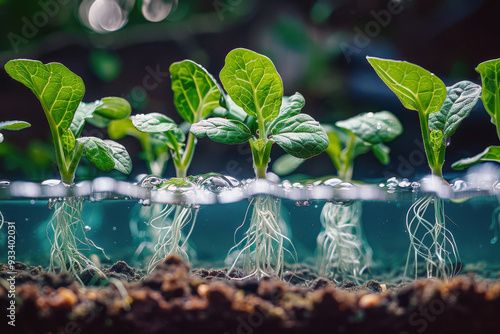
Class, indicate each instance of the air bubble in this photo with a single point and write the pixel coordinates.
(88, 228)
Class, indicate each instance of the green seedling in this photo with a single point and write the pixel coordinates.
(196, 94)
(254, 88)
(60, 93)
(440, 110)
(490, 77)
(342, 249)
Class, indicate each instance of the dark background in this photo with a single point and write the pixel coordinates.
(316, 46)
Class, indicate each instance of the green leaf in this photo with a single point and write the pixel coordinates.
(460, 99)
(196, 93)
(417, 88)
(374, 128)
(14, 125)
(291, 106)
(253, 83)
(113, 108)
(220, 130)
(286, 164)
(122, 160)
(58, 89)
(491, 153)
(98, 153)
(68, 141)
(123, 127)
(85, 111)
(300, 136)
(153, 123)
(381, 152)
(490, 77)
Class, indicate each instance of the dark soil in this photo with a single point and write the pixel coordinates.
(175, 300)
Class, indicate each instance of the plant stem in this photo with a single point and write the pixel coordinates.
(260, 172)
(346, 171)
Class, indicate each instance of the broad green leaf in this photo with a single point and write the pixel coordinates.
(374, 128)
(98, 153)
(123, 127)
(196, 93)
(14, 125)
(59, 90)
(417, 88)
(221, 130)
(291, 106)
(253, 83)
(460, 99)
(300, 136)
(286, 164)
(68, 141)
(381, 152)
(153, 122)
(490, 77)
(123, 163)
(491, 153)
(113, 108)
(84, 112)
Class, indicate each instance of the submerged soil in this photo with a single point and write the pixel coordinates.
(174, 299)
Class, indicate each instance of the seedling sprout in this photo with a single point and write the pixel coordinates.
(440, 111)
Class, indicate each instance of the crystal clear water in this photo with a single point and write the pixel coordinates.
(118, 217)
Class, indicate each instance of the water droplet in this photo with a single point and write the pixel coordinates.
(51, 182)
(287, 184)
(4, 183)
(405, 183)
(32, 202)
(447, 141)
(370, 114)
(459, 185)
(157, 10)
(114, 228)
(146, 202)
(88, 228)
(332, 182)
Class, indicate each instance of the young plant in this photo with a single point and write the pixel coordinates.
(196, 94)
(490, 77)
(60, 92)
(342, 249)
(254, 85)
(440, 110)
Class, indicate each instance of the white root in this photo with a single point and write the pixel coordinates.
(342, 250)
(263, 252)
(432, 242)
(68, 238)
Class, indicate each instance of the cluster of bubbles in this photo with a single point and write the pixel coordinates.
(211, 188)
(103, 16)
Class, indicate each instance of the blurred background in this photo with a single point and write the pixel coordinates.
(125, 47)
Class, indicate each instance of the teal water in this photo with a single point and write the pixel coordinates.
(114, 222)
